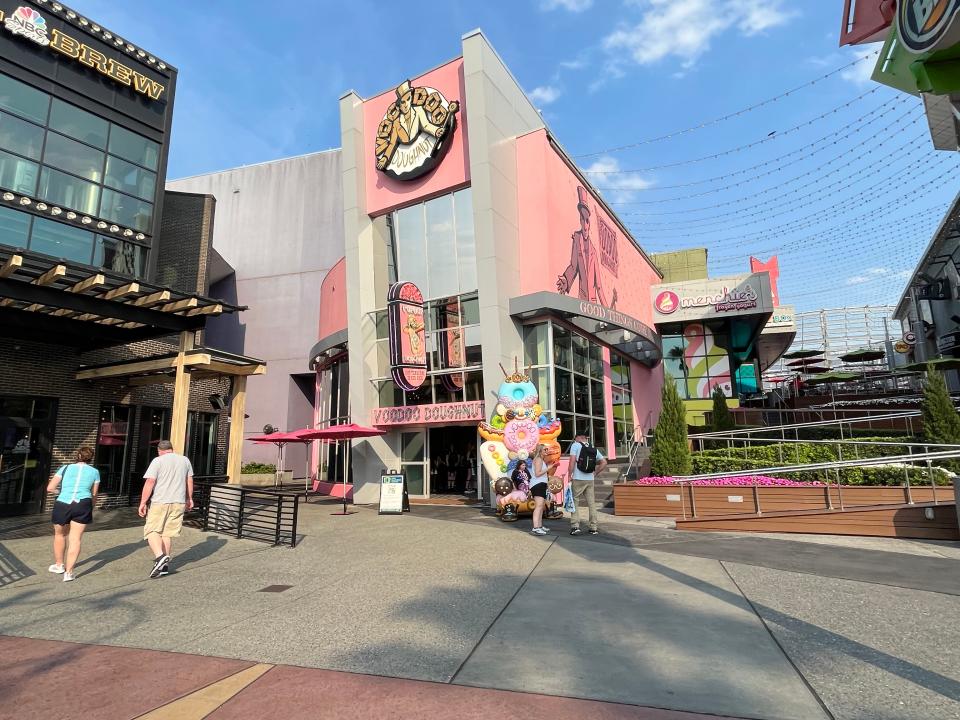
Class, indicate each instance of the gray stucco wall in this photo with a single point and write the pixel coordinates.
(279, 225)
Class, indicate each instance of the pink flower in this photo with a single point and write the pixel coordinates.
(736, 481)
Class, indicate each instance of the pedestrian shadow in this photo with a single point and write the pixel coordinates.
(11, 569)
(195, 553)
(105, 557)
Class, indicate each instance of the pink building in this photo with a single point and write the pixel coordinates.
(453, 185)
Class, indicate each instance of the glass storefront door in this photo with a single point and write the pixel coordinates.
(414, 461)
(27, 427)
(202, 442)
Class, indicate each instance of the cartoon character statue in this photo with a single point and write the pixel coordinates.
(517, 426)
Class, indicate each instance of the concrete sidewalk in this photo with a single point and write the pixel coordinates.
(465, 600)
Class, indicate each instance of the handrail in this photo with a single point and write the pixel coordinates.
(775, 440)
(796, 426)
(832, 465)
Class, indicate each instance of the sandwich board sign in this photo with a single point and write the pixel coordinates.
(393, 494)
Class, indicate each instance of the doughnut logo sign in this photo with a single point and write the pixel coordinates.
(927, 25)
(667, 302)
(408, 347)
(415, 132)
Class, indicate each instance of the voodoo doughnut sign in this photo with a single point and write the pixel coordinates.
(415, 132)
(408, 347)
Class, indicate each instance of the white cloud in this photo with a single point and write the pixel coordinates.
(619, 187)
(685, 28)
(544, 94)
(570, 5)
(878, 273)
(578, 64)
(860, 73)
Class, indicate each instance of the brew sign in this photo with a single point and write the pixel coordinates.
(408, 347)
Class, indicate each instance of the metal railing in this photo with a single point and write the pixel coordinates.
(265, 516)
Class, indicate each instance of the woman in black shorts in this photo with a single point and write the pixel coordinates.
(538, 488)
(73, 510)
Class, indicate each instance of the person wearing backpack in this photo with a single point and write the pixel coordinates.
(585, 462)
(73, 510)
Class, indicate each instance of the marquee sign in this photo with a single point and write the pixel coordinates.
(408, 347)
(438, 414)
(415, 132)
(28, 23)
(928, 25)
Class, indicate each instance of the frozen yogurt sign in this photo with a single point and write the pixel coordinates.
(727, 300)
(696, 299)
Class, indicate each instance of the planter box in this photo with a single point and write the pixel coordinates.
(264, 479)
(669, 500)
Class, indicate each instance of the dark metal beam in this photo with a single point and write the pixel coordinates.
(41, 327)
(53, 297)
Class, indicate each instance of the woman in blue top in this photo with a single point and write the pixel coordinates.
(73, 510)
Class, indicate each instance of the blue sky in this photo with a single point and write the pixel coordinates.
(261, 81)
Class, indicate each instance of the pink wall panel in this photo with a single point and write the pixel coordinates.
(333, 301)
(384, 193)
(609, 270)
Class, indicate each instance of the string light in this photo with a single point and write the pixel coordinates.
(738, 113)
(867, 141)
(756, 143)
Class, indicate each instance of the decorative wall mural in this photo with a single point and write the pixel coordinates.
(706, 364)
(586, 260)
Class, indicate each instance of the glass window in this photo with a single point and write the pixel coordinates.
(470, 310)
(414, 475)
(581, 395)
(18, 174)
(73, 157)
(381, 324)
(581, 354)
(473, 386)
(561, 346)
(596, 361)
(14, 227)
(597, 399)
(62, 189)
(79, 124)
(22, 99)
(61, 241)
(130, 178)
(411, 248)
(583, 426)
(566, 430)
(541, 380)
(466, 244)
(442, 278)
(535, 344)
(390, 394)
(411, 444)
(134, 148)
(599, 435)
(564, 390)
(20, 136)
(125, 210)
(117, 255)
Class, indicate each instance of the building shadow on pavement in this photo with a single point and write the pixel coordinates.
(11, 569)
(103, 558)
(817, 640)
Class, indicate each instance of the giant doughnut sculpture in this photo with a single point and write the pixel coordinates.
(517, 426)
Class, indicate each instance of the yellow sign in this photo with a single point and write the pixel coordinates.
(901, 347)
(28, 23)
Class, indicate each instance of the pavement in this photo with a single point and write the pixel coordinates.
(446, 612)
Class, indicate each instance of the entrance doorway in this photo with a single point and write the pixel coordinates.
(26, 441)
(453, 460)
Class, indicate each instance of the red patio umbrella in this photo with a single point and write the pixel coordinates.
(279, 439)
(348, 431)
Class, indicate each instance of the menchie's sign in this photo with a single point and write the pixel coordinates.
(693, 300)
(428, 414)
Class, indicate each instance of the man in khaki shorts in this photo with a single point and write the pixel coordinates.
(169, 480)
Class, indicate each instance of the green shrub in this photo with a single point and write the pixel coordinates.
(255, 468)
(720, 418)
(670, 455)
(941, 423)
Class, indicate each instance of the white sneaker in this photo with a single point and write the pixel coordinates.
(538, 531)
(58, 569)
(545, 528)
(67, 577)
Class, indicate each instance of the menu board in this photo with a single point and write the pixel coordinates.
(391, 493)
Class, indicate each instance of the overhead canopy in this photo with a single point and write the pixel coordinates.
(863, 355)
(620, 331)
(200, 362)
(831, 377)
(796, 354)
(938, 364)
(83, 306)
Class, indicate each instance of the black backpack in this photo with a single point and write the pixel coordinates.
(587, 458)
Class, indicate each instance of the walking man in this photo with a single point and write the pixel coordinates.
(585, 462)
(168, 486)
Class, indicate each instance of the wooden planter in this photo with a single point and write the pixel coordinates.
(688, 501)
